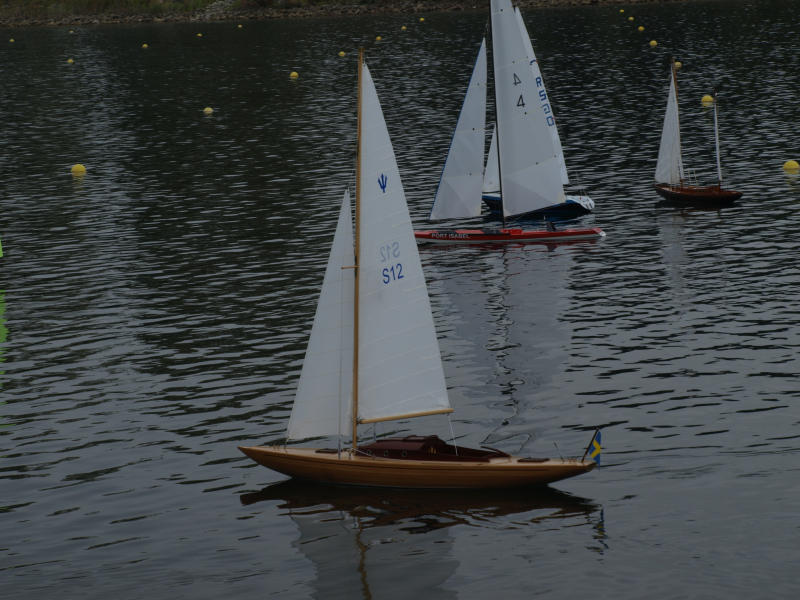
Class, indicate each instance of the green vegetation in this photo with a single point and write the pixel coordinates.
(57, 9)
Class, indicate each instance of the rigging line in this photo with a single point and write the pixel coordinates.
(452, 434)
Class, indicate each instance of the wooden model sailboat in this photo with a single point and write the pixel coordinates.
(525, 158)
(373, 354)
(671, 182)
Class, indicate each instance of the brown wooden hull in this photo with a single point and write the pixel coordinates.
(707, 195)
(330, 467)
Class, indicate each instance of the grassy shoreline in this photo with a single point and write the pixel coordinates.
(17, 13)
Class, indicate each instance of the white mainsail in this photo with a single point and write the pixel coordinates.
(530, 172)
(547, 109)
(459, 192)
(669, 168)
(491, 175)
(400, 368)
(322, 404)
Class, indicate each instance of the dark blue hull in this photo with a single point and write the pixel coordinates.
(566, 210)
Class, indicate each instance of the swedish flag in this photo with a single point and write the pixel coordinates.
(595, 447)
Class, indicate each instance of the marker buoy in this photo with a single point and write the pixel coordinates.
(422, 19)
(707, 99)
(70, 61)
(145, 46)
(208, 110)
(630, 18)
(791, 165)
(640, 28)
(239, 26)
(11, 40)
(294, 75)
(78, 170)
(199, 35)
(621, 10)
(653, 43)
(378, 38)
(678, 64)
(341, 52)
(403, 28)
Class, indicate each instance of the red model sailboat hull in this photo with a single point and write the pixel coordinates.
(502, 236)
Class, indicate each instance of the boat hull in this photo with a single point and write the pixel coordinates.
(504, 236)
(707, 195)
(574, 206)
(347, 469)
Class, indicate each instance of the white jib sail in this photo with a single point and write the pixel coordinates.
(530, 171)
(491, 175)
(459, 192)
(322, 404)
(669, 168)
(400, 368)
(547, 109)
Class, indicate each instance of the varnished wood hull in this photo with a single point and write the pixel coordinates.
(710, 195)
(502, 472)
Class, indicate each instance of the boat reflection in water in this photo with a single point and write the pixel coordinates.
(356, 537)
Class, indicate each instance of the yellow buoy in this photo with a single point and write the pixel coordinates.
(208, 110)
(378, 38)
(707, 99)
(678, 64)
(78, 170)
(621, 10)
(11, 40)
(70, 61)
(403, 28)
(145, 46)
(640, 28)
(653, 43)
(791, 165)
(294, 75)
(239, 26)
(199, 35)
(630, 18)
(341, 52)
(72, 31)
(422, 19)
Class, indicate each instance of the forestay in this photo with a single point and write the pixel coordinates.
(530, 170)
(400, 370)
(459, 192)
(669, 168)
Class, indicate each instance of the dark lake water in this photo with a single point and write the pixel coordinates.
(154, 314)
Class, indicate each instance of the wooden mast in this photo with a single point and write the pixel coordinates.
(357, 250)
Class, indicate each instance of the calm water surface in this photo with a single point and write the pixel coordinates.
(154, 314)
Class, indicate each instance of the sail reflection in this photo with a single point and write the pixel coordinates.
(355, 536)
